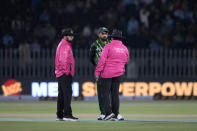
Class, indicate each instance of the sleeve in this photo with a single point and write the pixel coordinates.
(128, 56)
(92, 54)
(63, 56)
(102, 61)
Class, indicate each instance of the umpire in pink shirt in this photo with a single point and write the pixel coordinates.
(111, 65)
(64, 70)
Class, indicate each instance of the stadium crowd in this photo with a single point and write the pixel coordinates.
(36, 24)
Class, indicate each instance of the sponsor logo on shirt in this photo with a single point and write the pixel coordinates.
(119, 50)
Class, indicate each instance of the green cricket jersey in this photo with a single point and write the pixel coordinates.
(95, 50)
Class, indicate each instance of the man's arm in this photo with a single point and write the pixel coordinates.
(63, 56)
(128, 57)
(92, 54)
(102, 61)
(72, 62)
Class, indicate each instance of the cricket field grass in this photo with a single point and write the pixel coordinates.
(139, 116)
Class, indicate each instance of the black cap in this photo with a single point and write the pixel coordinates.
(68, 32)
(117, 34)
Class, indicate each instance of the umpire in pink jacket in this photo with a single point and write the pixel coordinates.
(111, 65)
(64, 70)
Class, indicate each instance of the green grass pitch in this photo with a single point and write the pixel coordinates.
(139, 115)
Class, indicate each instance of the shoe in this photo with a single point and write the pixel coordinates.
(70, 118)
(117, 118)
(120, 118)
(101, 117)
(74, 117)
(59, 119)
(114, 118)
(108, 117)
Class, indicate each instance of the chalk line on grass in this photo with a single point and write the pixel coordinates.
(88, 120)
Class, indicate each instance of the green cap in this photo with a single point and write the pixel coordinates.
(102, 29)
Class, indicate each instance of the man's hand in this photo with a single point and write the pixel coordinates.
(97, 77)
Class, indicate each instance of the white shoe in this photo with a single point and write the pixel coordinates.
(117, 118)
(101, 117)
(59, 119)
(120, 118)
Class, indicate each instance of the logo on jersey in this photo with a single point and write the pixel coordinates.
(119, 50)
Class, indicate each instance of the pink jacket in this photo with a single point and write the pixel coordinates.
(112, 60)
(64, 60)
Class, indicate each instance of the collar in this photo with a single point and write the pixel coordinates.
(105, 42)
(117, 41)
(66, 42)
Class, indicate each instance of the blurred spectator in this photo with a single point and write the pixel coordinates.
(48, 31)
(169, 22)
(24, 54)
(70, 7)
(87, 31)
(7, 40)
(178, 39)
(154, 45)
(35, 46)
(44, 16)
(179, 13)
(18, 23)
(164, 29)
(144, 14)
(132, 26)
(189, 15)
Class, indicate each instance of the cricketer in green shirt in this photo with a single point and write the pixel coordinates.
(94, 55)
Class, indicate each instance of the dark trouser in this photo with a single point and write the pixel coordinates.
(100, 100)
(64, 96)
(110, 85)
